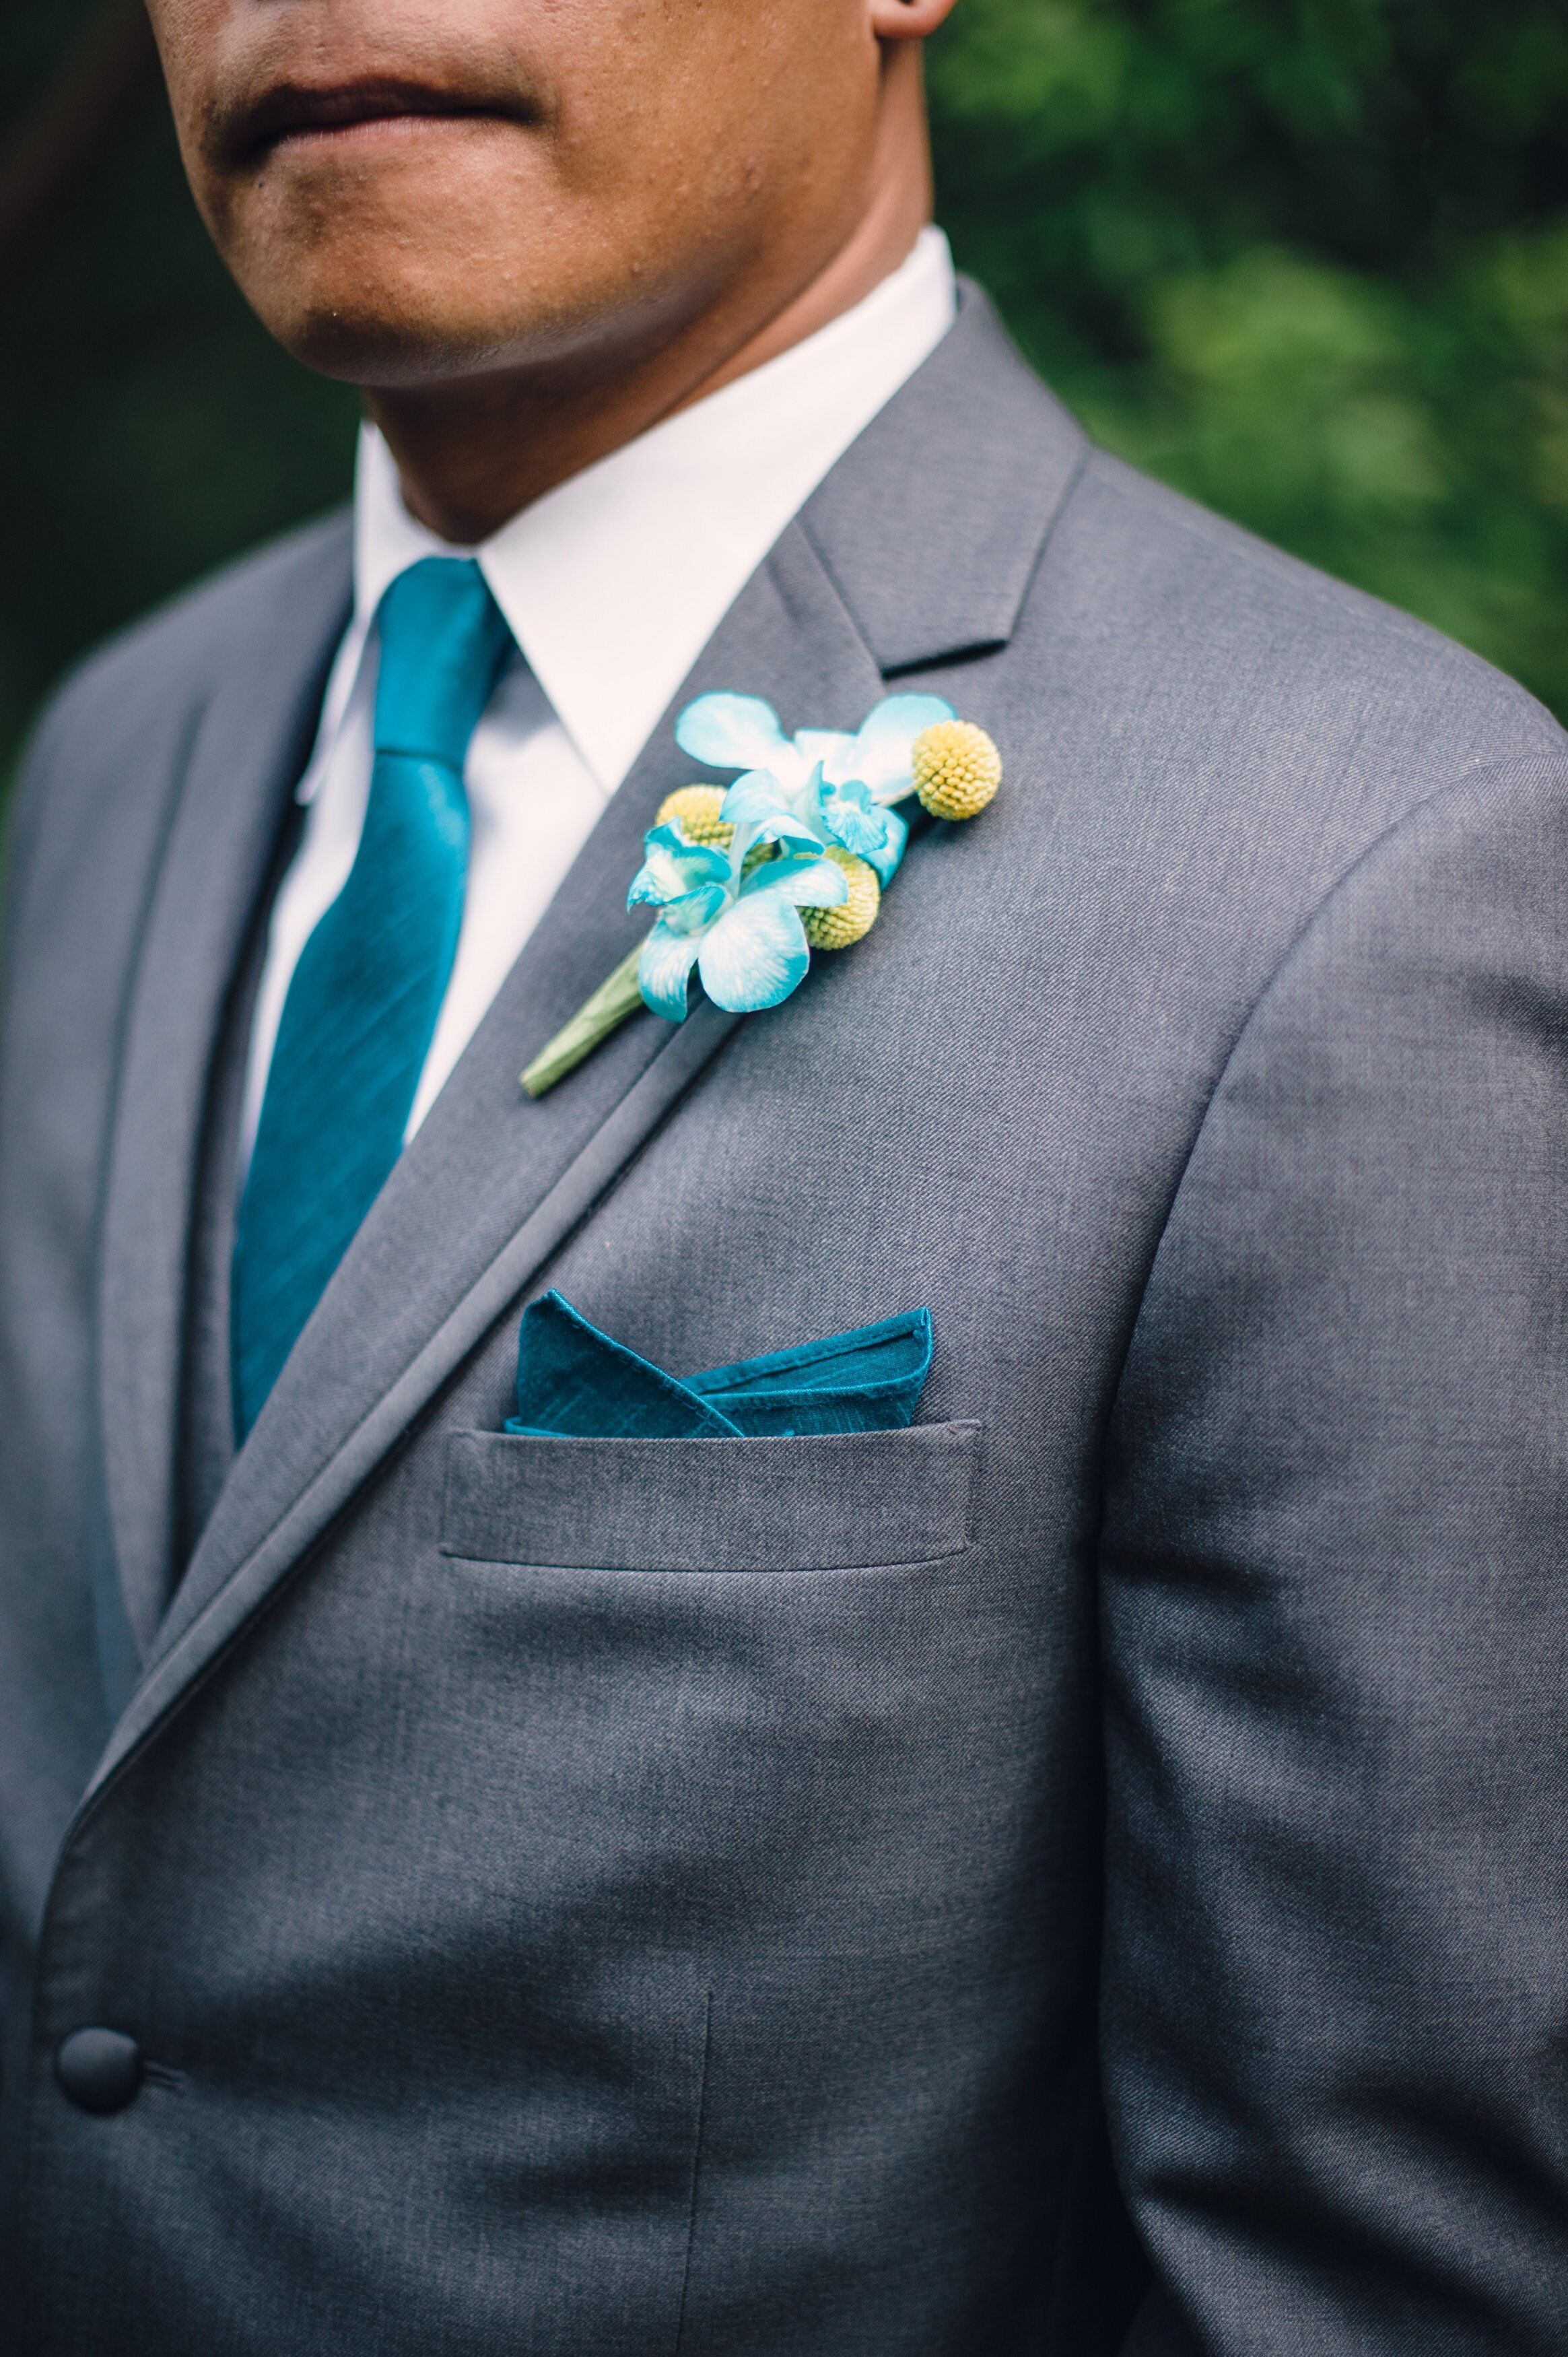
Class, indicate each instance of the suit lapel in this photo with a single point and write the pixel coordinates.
(493, 1184)
(932, 525)
(246, 751)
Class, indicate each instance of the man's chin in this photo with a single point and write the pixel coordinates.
(372, 320)
(392, 329)
(369, 344)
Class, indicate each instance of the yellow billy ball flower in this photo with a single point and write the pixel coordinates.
(835, 929)
(696, 809)
(956, 769)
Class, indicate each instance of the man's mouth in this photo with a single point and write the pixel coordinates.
(297, 115)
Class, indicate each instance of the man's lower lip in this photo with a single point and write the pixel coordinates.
(364, 129)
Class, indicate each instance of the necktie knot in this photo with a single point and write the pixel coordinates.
(443, 642)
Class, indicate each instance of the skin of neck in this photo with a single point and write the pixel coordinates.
(528, 229)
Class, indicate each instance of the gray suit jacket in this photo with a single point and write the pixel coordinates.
(788, 1896)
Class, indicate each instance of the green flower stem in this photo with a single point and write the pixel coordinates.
(613, 1002)
(608, 1009)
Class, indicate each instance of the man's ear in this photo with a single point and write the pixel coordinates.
(906, 20)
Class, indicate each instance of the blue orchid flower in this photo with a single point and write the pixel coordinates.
(735, 919)
(841, 783)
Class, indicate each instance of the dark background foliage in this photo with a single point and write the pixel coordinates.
(1307, 259)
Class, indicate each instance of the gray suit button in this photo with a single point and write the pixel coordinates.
(101, 2070)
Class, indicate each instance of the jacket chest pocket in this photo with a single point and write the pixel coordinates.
(822, 1502)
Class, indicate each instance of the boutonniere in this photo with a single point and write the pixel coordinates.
(793, 856)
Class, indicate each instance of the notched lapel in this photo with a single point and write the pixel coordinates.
(243, 755)
(932, 527)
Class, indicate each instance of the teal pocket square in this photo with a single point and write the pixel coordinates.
(574, 1382)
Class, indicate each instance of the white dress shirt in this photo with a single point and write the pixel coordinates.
(612, 584)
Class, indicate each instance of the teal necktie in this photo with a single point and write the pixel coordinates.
(363, 1002)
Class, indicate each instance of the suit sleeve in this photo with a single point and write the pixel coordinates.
(21, 807)
(1335, 1582)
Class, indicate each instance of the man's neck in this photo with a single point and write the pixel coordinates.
(471, 455)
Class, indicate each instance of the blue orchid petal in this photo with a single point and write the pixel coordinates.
(809, 883)
(756, 796)
(732, 732)
(664, 969)
(673, 867)
(887, 855)
(831, 748)
(806, 821)
(756, 954)
(791, 833)
(811, 802)
(881, 758)
(803, 877)
(787, 835)
(695, 910)
(865, 827)
(852, 819)
(763, 876)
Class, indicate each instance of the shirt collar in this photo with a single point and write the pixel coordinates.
(614, 582)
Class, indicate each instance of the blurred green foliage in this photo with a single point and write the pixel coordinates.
(1306, 259)
(148, 427)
